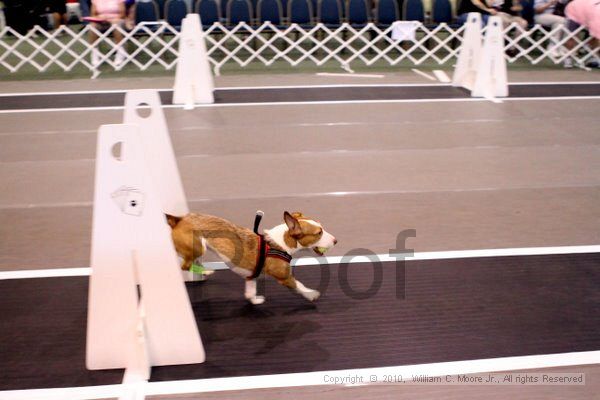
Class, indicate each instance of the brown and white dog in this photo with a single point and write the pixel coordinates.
(240, 247)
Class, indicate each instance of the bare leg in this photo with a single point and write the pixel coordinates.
(121, 53)
(92, 37)
(57, 20)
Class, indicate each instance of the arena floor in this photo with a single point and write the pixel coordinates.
(466, 175)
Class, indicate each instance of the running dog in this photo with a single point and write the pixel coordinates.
(248, 253)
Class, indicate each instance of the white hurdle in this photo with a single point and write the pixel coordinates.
(193, 77)
(143, 108)
(139, 313)
(481, 68)
(491, 74)
(467, 63)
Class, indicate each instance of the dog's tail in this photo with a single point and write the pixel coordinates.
(172, 220)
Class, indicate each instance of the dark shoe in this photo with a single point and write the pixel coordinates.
(593, 64)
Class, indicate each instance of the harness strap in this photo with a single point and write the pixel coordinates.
(260, 257)
(282, 255)
(264, 251)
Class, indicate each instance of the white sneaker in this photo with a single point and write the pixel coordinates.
(95, 58)
(553, 52)
(568, 63)
(120, 57)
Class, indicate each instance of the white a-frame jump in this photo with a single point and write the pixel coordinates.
(193, 77)
(139, 313)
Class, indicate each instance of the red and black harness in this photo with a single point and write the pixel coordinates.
(264, 250)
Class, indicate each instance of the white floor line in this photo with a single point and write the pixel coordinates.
(309, 103)
(307, 261)
(556, 83)
(441, 76)
(318, 378)
(495, 100)
(351, 75)
(53, 132)
(289, 87)
(13, 94)
(398, 85)
(319, 194)
(423, 74)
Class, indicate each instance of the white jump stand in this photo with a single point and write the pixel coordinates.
(139, 313)
(144, 108)
(469, 56)
(193, 77)
(491, 78)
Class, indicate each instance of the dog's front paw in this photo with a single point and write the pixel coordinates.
(311, 295)
(256, 300)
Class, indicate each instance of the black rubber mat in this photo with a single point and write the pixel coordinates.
(298, 94)
(431, 311)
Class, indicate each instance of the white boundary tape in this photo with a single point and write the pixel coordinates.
(306, 261)
(308, 103)
(293, 87)
(311, 378)
(350, 75)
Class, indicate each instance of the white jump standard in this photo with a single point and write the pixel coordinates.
(193, 78)
(482, 68)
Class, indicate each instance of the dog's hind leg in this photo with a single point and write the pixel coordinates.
(250, 293)
(190, 247)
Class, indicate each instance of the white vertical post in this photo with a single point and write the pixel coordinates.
(467, 63)
(193, 77)
(491, 78)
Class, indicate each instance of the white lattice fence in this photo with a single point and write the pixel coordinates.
(156, 44)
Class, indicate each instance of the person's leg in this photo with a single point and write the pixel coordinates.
(572, 26)
(484, 19)
(118, 38)
(594, 61)
(522, 22)
(462, 18)
(59, 11)
(554, 22)
(506, 19)
(84, 6)
(92, 37)
(56, 20)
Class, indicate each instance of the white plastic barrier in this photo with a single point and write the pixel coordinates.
(193, 78)
(491, 78)
(482, 68)
(132, 250)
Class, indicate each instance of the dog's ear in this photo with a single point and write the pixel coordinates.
(297, 215)
(172, 220)
(292, 224)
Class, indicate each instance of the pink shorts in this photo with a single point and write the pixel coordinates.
(586, 13)
(108, 7)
